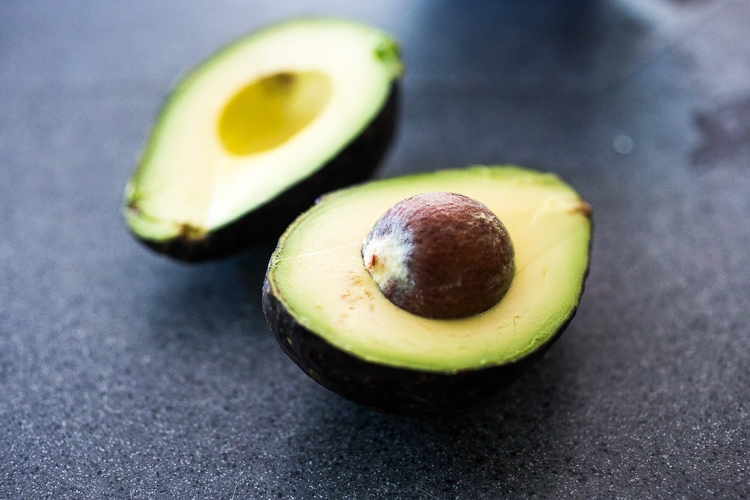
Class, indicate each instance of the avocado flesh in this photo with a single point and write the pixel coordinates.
(257, 119)
(318, 275)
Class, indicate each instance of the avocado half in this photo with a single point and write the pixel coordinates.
(329, 316)
(251, 137)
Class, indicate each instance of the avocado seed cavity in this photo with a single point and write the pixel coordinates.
(440, 255)
(270, 111)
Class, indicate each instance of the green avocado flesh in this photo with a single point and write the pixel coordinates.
(263, 114)
(317, 272)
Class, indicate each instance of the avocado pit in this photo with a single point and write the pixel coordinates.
(440, 255)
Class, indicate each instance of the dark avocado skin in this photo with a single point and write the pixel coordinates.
(355, 163)
(386, 388)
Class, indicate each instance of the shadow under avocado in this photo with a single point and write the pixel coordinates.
(487, 448)
(207, 299)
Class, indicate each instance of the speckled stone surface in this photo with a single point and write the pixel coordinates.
(126, 375)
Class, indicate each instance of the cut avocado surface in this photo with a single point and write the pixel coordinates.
(252, 136)
(330, 317)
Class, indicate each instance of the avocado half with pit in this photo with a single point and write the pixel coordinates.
(250, 138)
(329, 315)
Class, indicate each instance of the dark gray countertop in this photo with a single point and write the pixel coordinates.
(126, 375)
